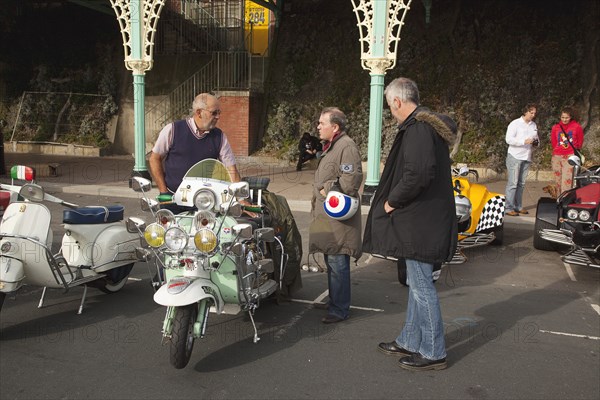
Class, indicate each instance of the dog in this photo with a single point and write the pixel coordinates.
(552, 190)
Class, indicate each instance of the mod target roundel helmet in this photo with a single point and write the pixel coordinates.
(339, 205)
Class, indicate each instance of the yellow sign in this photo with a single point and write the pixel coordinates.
(256, 15)
(256, 25)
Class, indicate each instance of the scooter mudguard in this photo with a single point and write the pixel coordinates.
(11, 274)
(183, 291)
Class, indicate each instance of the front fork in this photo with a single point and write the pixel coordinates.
(199, 325)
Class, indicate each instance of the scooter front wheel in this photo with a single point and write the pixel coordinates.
(182, 336)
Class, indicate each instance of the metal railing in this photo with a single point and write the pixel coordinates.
(198, 29)
(225, 71)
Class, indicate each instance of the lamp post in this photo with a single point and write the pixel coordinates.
(379, 25)
(137, 20)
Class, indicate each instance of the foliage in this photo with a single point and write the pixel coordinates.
(47, 50)
(54, 111)
(479, 62)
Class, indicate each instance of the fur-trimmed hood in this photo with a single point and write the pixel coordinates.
(443, 124)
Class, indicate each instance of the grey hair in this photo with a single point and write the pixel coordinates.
(336, 116)
(201, 101)
(404, 89)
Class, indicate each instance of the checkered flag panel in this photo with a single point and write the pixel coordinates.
(492, 214)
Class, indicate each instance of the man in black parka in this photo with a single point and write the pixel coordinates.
(413, 216)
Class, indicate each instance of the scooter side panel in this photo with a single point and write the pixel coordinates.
(101, 246)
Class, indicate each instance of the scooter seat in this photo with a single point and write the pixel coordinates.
(93, 215)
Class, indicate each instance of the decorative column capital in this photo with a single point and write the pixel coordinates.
(377, 66)
(139, 67)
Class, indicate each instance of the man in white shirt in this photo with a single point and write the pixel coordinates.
(521, 137)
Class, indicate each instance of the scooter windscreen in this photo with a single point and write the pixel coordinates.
(203, 185)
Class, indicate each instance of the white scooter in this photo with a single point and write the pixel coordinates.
(98, 248)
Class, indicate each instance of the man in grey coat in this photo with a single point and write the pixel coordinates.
(339, 166)
(413, 216)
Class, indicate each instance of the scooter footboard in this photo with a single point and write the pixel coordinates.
(182, 291)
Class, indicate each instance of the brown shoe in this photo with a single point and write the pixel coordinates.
(512, 213)
(523, 211)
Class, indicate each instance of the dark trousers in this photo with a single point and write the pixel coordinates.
(304, 157)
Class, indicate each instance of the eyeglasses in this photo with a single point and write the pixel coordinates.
(213, 113)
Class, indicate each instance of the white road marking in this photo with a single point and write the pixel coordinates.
(134, 279)
(353, 307)
(596, 308)
(322, 296)
(571, 334)
(570, 272)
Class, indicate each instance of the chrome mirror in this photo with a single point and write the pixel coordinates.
(32, 192)
(574, 161)
(240, 190)
(139, 184)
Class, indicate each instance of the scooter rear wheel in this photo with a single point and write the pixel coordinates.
(182, 336)
(114, 280)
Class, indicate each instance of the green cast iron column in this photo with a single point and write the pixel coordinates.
(137, 47)
(139, 169)
(375, 126)
(378, 51)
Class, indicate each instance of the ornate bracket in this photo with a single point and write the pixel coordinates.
(149, 15)
(396, 12)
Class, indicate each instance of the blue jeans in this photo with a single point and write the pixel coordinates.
(516, 172)
(423, 330)
(338, 279)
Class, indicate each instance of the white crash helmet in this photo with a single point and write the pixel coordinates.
(463, 208)
(339, 205)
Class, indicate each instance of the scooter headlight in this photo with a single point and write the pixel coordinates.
(204, 219)
(205, 241)
(205, 199)
(165, 218)
(584, 215)
(154, 235)
(572, 214)
(176, 239)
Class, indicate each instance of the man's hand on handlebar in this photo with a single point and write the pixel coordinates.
(165, 197)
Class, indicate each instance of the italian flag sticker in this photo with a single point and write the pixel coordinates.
(22, 172)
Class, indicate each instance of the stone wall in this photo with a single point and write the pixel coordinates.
(59, 149)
